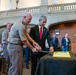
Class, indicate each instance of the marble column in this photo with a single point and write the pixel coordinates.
(43, 8)
(5, 5)
(17, 1)
(0, 5)
(10, 4)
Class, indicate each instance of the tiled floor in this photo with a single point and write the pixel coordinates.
(25, 71)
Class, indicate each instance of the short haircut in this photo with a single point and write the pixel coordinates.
(42, 17)
(26, 13)
(9, 23)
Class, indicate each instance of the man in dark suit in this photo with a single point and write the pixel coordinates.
(39, 33)
(55, 42)
(65, 43)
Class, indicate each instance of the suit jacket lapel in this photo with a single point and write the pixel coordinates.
(37, 31)
(44, 32)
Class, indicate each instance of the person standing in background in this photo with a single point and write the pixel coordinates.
(5, 35)
(55, 42)
(46, 45)
(1, 50)
(39, 33)
(65, 43)
(17, 38)
(26, 52)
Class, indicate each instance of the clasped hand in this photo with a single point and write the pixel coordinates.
(38, 48)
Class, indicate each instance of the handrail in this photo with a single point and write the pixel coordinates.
(38, 9)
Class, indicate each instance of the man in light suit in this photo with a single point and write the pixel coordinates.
(40, 37)
(65, 43)
(18, 36)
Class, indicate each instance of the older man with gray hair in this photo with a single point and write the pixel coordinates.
(18, 36)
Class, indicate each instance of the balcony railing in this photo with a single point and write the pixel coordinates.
(40, 9)
(62, 7)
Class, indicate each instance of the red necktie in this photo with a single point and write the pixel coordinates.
(40, 32)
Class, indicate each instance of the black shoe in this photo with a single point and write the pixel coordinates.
(27, 67)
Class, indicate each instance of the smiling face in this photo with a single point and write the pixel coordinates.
(27, 19)
(9, 25)
(66, 35)
(42, 21)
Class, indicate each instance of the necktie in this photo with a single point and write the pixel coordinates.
(40, 32)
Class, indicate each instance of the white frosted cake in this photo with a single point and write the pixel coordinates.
(61, 54)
